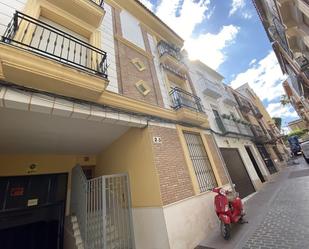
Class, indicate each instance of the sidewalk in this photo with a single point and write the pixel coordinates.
(274, 215)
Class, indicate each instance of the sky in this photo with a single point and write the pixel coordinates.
(228, 36)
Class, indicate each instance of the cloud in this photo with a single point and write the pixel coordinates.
(277, 110)
(246, 15)
(264, 77)
(183, 17)
(210, 13)
(236, 5)
(210, 48)
(252, 62)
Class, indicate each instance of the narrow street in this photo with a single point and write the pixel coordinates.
(277, 215)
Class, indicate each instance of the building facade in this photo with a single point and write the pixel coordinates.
(106, 126)
(272, 143)
(286, 24)
(96, 101)
(234, 130)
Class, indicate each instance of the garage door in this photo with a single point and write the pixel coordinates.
(32, 211)
(237, 171)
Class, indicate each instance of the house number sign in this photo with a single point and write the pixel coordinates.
(157, 140)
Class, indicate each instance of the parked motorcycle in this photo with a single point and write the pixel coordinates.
(229, 209)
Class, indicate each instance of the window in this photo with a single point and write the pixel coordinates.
(131, 29)
(138, 64)
(142, 87)
(201, 164)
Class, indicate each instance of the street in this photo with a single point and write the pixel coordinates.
(277, 215)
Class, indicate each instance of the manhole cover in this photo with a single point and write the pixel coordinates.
(299, 173)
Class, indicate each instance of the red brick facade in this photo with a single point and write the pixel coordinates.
(175, 181)
(128, 74)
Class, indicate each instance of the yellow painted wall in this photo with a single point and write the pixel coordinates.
(132, 153)
(252, 119)
(18, 164)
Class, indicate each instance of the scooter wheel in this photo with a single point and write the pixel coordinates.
(225, 230)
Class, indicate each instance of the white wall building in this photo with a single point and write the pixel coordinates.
(232, 133)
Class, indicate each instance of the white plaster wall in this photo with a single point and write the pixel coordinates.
(7, 9)
(208, 102)
(131, 29)
(160, 74)
(189, 221)
(149, 228)
(240, 145)
(108, 45)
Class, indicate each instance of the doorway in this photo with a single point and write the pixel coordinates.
(256, 167)
(32, 210)
(266, 157)
(237, 171)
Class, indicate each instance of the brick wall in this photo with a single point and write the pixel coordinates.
(175, 181)
(218, 163)
(128, 74)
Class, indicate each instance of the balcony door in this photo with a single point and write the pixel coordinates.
(218, 120)
(57, 41)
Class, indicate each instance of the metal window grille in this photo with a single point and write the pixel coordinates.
(202, 168)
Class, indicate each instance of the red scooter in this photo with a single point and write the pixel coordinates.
(229, 209)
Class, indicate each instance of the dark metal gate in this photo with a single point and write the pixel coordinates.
(237, 171)
(202, 167)
(256, 166)
(32, 210)
(266, 157)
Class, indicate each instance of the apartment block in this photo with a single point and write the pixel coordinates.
(104, 140)
(286, 24)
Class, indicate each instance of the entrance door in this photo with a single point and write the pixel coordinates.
(269, 163)
(237, 171)
(32, 211)
(257, 169)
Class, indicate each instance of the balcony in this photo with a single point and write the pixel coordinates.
(188, 106)
(256, 112)
(244, 105)
(245, 129)
(228, 98)
(170, 55)
(277, 33)
(38, 55)
(174, 74)
(212, 89)
(272, 136)
(234, 127)
(89, 11)
(259, 135)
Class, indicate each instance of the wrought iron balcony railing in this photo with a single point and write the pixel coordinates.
(231, 126)
(166, 48)
(174, 71)
(244, 105)
(258, 132)
(184, 99)
(256, 112)
(277, 32)
(100, 3)
(43, 39)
